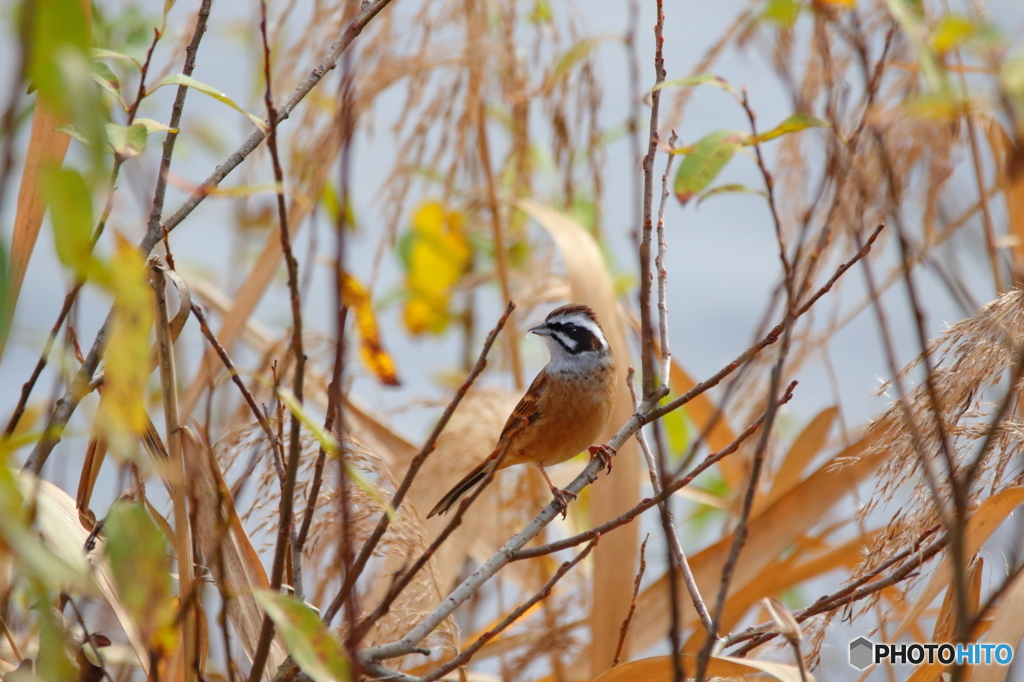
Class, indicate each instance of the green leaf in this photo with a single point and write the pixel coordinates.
(728, 189)
(59, 30)
(704, 162)
(107, 80)
(100, 53)
(703, 79)
(127, 141)
(139, 558)
(71, 213)
(54, 662)
(154, 126)
(793, 124)
(188, 81)
(316, 651)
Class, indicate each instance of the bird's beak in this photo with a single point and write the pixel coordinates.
(540, 330)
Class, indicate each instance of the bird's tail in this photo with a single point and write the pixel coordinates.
(471, 480)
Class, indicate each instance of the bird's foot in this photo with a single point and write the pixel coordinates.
(604, 454)
(562, 498)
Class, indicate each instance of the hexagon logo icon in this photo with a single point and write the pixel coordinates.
(861, 653)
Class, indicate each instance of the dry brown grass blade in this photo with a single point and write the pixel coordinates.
(1013, 189)
(806, 446)
(983, 522)
(778, 577)
(1007, 627)
(659, 669)
(702, 411)
(58, 523)
(235, 565)
(46, 147)
(946, 622)
(94, 456)
(769, 534)
(616, 557)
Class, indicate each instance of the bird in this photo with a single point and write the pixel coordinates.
(564, 410)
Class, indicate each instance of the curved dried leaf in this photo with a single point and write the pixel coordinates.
(58, 524)
(233, 562)
(371, 351)
(702, 411)
(1003, 151)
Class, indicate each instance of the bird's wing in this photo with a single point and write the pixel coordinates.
(527, 411)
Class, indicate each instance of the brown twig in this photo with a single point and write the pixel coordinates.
(176, 110)
(414, 467)
(285, 517)
(466, 654)
(646, 331)
(657, 476)
(661, 267)
(624, 629)
(275, 444)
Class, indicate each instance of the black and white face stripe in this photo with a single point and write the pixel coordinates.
(577, 334)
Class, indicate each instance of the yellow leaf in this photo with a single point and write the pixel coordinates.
(126, 357)
(952, 32)
(438, 255)
(371, 352)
